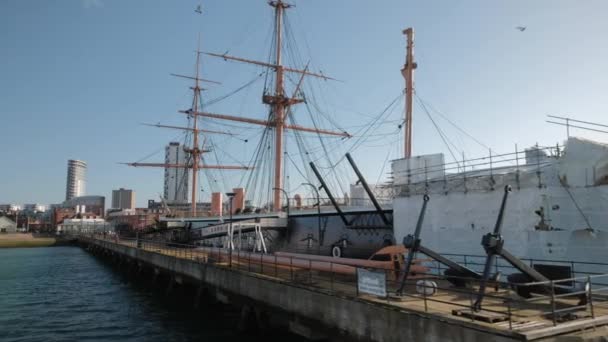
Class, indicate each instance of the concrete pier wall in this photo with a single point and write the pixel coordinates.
(314, 312)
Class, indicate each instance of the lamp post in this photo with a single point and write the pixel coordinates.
(318, 209)
(287, 199)
(231, 197)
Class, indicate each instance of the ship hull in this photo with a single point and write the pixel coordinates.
(548, 223)
(309, 232)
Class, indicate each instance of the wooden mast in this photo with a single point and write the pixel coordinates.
(408, 74)
(195, 151)
(278, 102)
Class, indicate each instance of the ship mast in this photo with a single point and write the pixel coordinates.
(408, 74)
(195, 151)
(278, 102)
(279, 105)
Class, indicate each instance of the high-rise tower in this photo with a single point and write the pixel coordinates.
(176, 179)
(76, 181)
(123, 199)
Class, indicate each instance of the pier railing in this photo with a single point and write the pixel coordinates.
(552, 303)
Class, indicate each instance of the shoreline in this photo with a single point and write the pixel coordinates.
(21, 240)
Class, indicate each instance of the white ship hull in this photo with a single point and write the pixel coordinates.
(558, 209)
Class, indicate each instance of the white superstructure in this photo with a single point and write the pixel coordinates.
(558, 208)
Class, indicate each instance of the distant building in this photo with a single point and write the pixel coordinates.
(35, 208)
(10, 208)
(123, 199)
(76, 181)
(95, 205)
(179, 209)
(136, 219)
(176, 178)
(7, 225)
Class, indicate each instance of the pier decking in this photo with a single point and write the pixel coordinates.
(321, 299)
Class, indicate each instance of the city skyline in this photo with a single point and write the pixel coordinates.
(461, 73)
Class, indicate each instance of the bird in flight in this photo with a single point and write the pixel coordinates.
(521, 28)
(199, 9)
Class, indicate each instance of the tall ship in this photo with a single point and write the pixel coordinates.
(557, 209)
(262, 212)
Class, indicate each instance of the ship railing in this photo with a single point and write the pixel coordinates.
(307, 204)
(521, 168)
(426, 290)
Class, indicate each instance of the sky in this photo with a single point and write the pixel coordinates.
(78, 77)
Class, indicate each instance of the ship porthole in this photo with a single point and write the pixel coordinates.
(336, 252)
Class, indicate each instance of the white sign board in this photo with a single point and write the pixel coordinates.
(370, 282)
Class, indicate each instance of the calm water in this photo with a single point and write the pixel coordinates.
(66, 294)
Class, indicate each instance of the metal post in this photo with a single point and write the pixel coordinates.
(590, 295)
(230, 196)
(553, 303)
(540, 185)
(287, 200)
(464, 174)
(318, 210)
(491, 172)
(331, 269)
(309, 271)
(426, 308)
(445, 180)
(386, 285)
(509, 313)
(357, 281)
(517, 167)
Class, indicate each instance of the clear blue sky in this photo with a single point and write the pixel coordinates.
(79, 76)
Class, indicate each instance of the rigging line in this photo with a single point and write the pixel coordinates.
(237, 90)
(221, 172)
(561, 181)
(452, 123)
(160, 149)
(383, 167)
(439, 131)
(297, 168)
(216, 146)
(364, 131)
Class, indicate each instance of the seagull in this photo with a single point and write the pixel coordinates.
(199, 9)
(521, 28)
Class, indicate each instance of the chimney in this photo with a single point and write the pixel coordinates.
(216, 203)
(239, 199)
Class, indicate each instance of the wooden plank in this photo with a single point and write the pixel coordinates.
(484, 316)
